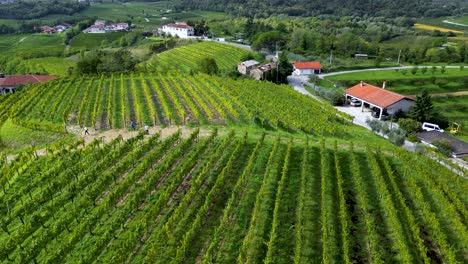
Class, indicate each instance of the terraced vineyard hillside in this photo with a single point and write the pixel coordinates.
(230, 198)
(186, 58)
(116, 101)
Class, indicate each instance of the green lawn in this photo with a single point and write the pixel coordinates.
(461, 20)
(398, 75)
(456, 109)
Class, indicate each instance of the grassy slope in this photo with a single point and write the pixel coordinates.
(456, 109)
(31, 44)
(186, 58)
(16, 138)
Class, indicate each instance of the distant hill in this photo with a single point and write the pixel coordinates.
(387, 8)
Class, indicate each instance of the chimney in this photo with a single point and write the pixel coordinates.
(384, 85)
(362, 84)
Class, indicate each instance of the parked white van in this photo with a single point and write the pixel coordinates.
(431, 127)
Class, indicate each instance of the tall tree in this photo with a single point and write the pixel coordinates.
(423, 108)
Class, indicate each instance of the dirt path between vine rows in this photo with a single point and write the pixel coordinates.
(109, 135)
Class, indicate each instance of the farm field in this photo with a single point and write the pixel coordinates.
(185, 59)
(116, 101)
(432, 28)
(32, 44)
(90, 41)
(456, 109)
(439, 22)
(230, 198)
(46, 65)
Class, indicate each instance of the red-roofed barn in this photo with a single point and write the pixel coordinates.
(375, 97)
(9, 83)
(307, 68)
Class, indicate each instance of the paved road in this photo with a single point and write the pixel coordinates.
(298, 82)
(323, 75)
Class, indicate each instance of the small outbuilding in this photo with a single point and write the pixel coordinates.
(307, 68)
(246, 66)
(375, 97)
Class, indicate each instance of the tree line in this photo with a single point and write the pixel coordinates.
(37, 9)
(387, 8)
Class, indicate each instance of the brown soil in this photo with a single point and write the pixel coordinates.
(109, 135)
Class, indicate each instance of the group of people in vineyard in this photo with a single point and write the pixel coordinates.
(132, 126)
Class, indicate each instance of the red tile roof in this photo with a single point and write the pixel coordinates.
(375, 95)
(13, 80)
(307, 65)
(179, 25)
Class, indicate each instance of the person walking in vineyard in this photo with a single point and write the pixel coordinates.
(86, 132)
(147, 129)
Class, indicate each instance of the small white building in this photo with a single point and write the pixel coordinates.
(180, 29)
(95, 29)
(120, 26)
(100, 22)
(307, 68)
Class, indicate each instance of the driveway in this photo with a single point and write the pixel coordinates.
(298, 82)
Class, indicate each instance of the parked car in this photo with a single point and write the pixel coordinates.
(376, 114)
(431, 127)
(355, 102)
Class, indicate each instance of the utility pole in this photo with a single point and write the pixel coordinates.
(277, 61)
(399, 56)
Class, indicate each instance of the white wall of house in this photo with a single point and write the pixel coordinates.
(306, 71)
(97, 30)
(180, 32)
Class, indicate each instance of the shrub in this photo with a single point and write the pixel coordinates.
(443, 147)
(412, 137)
(410, 125)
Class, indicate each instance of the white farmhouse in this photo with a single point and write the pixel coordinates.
(307, 68)
(95, 29)
(181, 29)
(120, 26)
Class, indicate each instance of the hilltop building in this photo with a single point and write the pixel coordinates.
(9, 83)
(101, 27)
(180, 29)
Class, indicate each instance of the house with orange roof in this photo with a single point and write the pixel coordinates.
(9, 83)
(384, 101)
(307, 68)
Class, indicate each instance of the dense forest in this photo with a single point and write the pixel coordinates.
(386, 8)
(37, 9)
